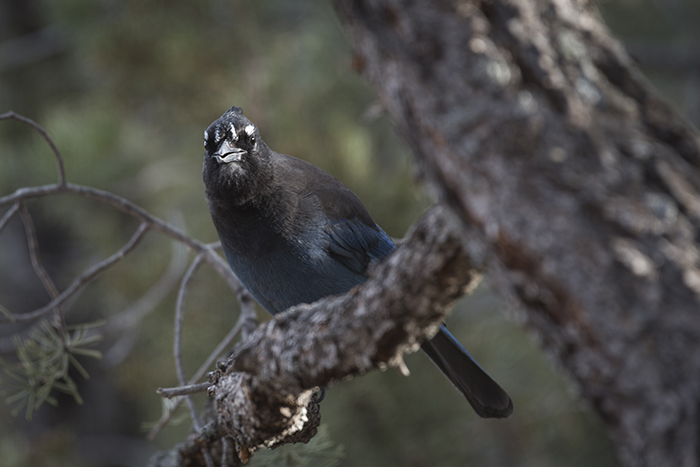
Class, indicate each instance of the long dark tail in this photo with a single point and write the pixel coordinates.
(488, 399)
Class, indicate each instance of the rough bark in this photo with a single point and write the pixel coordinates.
(263, 392)
(576, 184)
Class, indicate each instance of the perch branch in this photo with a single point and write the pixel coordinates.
(263, 392)
(183, 390)
(47, 138)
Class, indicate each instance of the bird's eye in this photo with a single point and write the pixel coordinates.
(252, 140)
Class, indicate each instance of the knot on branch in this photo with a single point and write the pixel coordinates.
(256, 414)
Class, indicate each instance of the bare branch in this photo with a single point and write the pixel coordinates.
(183, 390)
(216, 353)
(116, 201)
(7, 343)
(177, 344)
(33, 244)
(246, 321)
(219, 350)
(85, 277)
(131, 316)
(136, 211)
(8, 215)
(45, 135)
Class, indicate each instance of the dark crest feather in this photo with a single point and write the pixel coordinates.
(235, 110)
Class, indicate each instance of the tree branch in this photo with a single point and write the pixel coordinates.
(56, 153)
(84, 278)
(8, 215)
(572, 179)
(47, 282)
(263, 392)
(183, 390)
(136, 211)
(177, 341)
(245, 324)
(247, 309)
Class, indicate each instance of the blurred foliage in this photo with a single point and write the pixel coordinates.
(43, 363)
(126, 89)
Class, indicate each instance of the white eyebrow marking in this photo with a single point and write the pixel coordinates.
(234, 136)
(250, 129)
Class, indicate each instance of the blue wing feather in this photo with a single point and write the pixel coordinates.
(356, 244)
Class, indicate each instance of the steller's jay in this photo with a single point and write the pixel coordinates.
(293, 234)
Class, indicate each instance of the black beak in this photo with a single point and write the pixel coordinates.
(227, 154)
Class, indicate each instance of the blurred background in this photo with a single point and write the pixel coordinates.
(126, 88)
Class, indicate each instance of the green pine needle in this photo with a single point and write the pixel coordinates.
(43, 362)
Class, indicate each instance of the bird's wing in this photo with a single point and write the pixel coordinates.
(353, 238)
(356, 244)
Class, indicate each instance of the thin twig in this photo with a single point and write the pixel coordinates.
(177, 345)
(45, 135)
(33, 244)
(247, 320)
(179, 316)
(133, 210)
(219, 350)
(116, 201)
(182, 390)
(209, 255)
(131, 316)
(216, 353)
(8, 215)
(84, 278)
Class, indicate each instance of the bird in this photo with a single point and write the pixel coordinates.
(292, 233)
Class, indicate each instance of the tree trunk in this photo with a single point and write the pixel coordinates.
(574, 182)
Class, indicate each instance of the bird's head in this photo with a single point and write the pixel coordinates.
(236, 159)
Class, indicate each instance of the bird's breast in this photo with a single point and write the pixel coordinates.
(282, 267)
